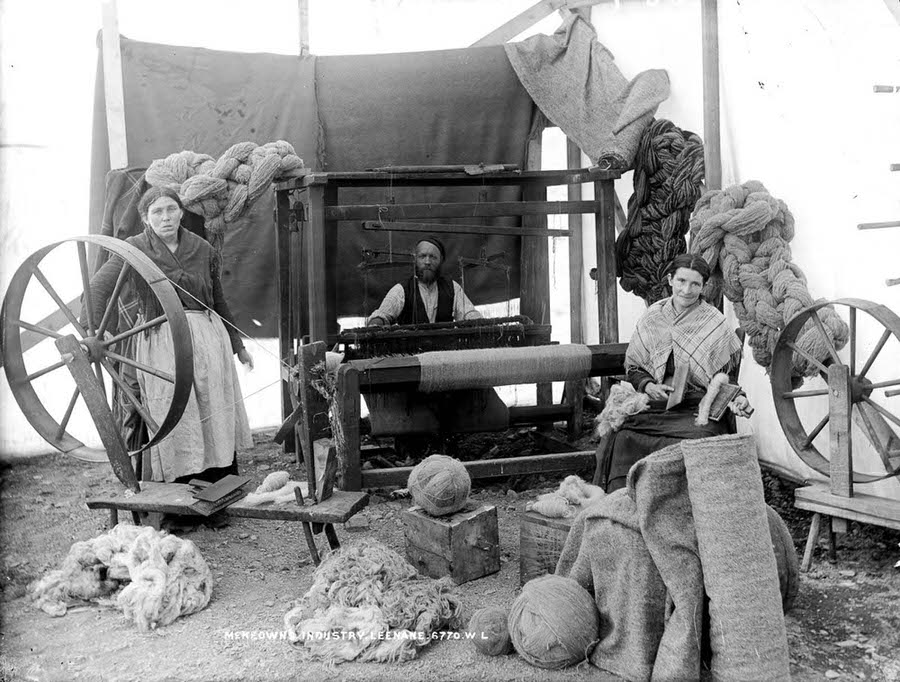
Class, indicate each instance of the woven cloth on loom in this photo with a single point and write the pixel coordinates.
(747, 632)
(481, 368)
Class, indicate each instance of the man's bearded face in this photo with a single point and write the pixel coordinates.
(428, 262)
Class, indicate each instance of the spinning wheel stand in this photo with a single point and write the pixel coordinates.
(851, 397)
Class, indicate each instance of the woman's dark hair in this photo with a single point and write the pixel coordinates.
(152, 195)
(691, 261)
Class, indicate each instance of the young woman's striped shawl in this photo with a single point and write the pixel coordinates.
(699, 337)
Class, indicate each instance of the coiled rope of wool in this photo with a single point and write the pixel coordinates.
(222, 191)
(667, 183)
(744, 233)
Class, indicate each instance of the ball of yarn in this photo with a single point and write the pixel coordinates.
(489, 631)
(554, 623)
(440, 485)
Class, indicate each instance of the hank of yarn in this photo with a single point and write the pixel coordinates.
(623, 401)
(667, 182)
(440, 485)
(554, 622)
(712, 391)
(223, 190)
(274, 481)
(744, 233)
(489, 631)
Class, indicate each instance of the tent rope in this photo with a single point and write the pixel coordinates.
(667, 183)
(743, 232)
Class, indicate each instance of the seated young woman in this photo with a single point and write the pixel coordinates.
(680, 331)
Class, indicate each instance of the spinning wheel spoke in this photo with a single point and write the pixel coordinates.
(883, 340)
(86, 281)
(70, 316)
(37, 329)
(805, 394)
(794, 347)
(142, 367)
(113, 300)
(832, 351)
(127, 392)
(816, 431)
(885, 413)
(155, 322)
(68, 415)
(885, 384)
(98, 370)
(46, 370)
(873, 437)
(852, 341)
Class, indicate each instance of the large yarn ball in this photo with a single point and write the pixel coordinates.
(554, 623)
(489, 631)
(440, 485)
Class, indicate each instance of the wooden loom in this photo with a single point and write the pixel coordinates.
(308, 211)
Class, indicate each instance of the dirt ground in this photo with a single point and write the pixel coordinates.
(845, 623)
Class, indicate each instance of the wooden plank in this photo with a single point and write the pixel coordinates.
(839, 423)
(346, 406)
(712, 152)
(519, 23)
(488, 468)
(316, 272)
(510, 178)
(877, 511)
(94, 397)
(113, 89)
(541, 540)
(456, 228)
(325, 468)
(481, 209)
(605, 230)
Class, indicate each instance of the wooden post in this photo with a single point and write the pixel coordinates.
(709, 14)
(316, 272)
(113, 90)
(575, 389)
(840, 444)
(607, 295)
(314, 409)
(346, 427)
(303, 17)
(285, 304)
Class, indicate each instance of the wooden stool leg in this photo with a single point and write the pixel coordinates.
(136, 517)
(811, 542)
(113, 517)
(832, 541)
(330, 533)
(311, 543)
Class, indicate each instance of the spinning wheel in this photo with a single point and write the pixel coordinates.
(852, 397)
(95, 349)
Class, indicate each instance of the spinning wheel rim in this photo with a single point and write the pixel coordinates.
(780, 376)
(30, 403)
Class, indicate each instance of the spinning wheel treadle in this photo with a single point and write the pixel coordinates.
(95, 349)
(852, 397)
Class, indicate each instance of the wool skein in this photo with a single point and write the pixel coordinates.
(554, 623)
(440, 485)
(490, 632)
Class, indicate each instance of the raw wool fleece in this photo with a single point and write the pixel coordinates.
(573, 495)
(623, 401)
(372, 591)
(277, 488)
(168, 576)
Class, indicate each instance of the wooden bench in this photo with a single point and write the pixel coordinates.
(176, 498)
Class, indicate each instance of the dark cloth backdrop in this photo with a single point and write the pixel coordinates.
(340, 114)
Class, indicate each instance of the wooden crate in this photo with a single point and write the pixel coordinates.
(464, 545)
(541, 540)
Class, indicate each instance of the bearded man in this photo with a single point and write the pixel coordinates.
(427, 296)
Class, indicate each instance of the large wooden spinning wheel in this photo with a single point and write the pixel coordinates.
(851, 406)
(93, 350)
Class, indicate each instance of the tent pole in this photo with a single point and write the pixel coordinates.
(303, 15)
(113, 90)
(709, 14)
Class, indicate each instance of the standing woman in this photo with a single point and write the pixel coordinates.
(681, 330)
(214, 425)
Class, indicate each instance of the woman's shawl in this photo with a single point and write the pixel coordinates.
(699, 338)
(188, 267)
